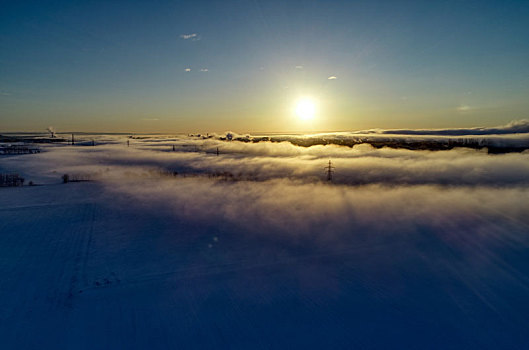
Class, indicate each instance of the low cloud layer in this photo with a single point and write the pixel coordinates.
(512, 137)
(465, 201)
(517, 126)
(262, 161)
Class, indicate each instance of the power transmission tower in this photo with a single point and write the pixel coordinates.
(330, 171)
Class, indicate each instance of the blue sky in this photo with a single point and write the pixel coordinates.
(121, 66)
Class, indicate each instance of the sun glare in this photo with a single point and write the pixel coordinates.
(305, 109)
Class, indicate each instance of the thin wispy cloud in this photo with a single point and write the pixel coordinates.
(204, 70)
(299, 67)
(192, 37)
(187, 69)
(332, 77)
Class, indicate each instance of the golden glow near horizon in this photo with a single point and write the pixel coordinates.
(305, 109)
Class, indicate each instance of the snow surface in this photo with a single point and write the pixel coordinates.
(140, 258)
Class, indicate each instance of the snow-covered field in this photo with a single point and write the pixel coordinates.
(253, 248)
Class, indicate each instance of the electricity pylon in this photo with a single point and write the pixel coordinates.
(329, 171)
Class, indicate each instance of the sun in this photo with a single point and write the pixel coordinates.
(305, 109)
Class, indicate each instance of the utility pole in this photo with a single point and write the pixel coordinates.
(174, 148)
(73, 141)
(329, 171)
(217, 151)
